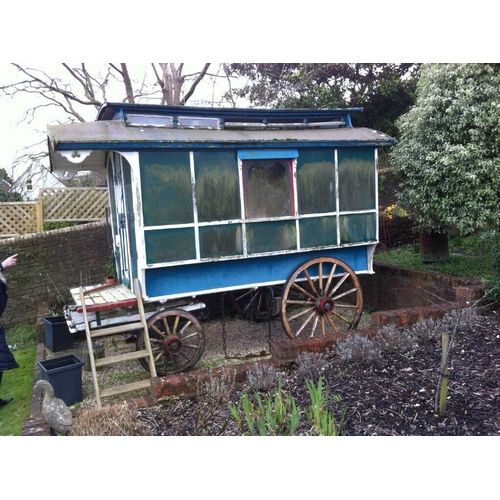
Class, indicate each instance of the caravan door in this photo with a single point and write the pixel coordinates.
(122, 218)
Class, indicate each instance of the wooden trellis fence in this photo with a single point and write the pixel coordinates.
(20, 218)
(53, 205)
(74, 204)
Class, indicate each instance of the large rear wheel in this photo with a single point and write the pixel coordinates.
(322, 296)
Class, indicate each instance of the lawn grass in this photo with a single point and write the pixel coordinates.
(18, 383)
(463, 261)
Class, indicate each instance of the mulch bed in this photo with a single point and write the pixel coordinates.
(393, 397)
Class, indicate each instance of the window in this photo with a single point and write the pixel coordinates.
(267, 188)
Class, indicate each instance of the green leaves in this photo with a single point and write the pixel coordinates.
(448, 155)
(276, 413)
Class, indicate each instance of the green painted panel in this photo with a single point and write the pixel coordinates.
(166, 187)
(318, 231)
(356, 228)
(217, 185)
(316, 181)
(169, 245)
(356, 179)
(271, 236)
(220, 241)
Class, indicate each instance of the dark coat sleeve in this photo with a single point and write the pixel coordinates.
(3, 296)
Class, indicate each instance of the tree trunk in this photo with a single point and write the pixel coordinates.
(434, 247)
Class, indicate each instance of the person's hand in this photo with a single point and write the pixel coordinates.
(10, 261)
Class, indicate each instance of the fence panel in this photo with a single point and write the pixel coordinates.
(74, 204)
(20, 218)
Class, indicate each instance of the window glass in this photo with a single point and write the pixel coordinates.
(170, 245)
(356, 179)
(267, 186)
(318, 231)
(316, 181)
(220, 241)
(217, 186)
(271, 236)
(356, 228)
(166, 188)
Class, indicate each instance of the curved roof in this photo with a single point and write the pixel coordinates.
(116, 130)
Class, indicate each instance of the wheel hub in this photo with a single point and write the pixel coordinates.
(326, 306)
(172, 345)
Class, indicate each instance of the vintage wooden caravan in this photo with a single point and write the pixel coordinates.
(267, 204)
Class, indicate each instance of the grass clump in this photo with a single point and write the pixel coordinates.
(18, 383)
(112, 420)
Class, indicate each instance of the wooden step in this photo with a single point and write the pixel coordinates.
(120, 389)
(112, 330)
(119, 358)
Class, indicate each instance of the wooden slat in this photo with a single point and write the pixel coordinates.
(127, 327)
(121, 389)
(104, 306)
(120, 358)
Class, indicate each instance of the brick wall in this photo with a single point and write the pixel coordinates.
(49, 264)
(394, 287)
(52, 262)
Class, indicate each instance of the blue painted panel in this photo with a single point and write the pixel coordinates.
(262, 154)
(199, 279)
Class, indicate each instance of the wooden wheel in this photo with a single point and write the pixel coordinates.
(254, 304)
(177, 340)
(322, 296)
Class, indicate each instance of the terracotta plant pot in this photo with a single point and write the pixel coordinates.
(110, 279)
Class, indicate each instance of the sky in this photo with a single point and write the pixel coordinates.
(428, 31)
(16, 134)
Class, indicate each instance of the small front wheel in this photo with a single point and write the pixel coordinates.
(177, 341)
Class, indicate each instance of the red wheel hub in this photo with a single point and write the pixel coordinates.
(172, 345)
(326, 306)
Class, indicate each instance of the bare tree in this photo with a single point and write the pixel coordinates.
(75, 92)
(79, 88)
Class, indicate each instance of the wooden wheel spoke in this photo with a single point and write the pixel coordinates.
(306, 311)
(157, 330)
(338, 285)
(304, 324)
(348, 292)
(315, 324)
(176, 324)
(345, 306)
(167, 327)
(342, 318)
(330, 276)
(189, 336)
(332, 324)
(305, 292)
(299, 302)
(310, 281)
(179, 326)
(183, 329)
(301, 313)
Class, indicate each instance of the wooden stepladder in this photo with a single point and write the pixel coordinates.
(114, 330)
